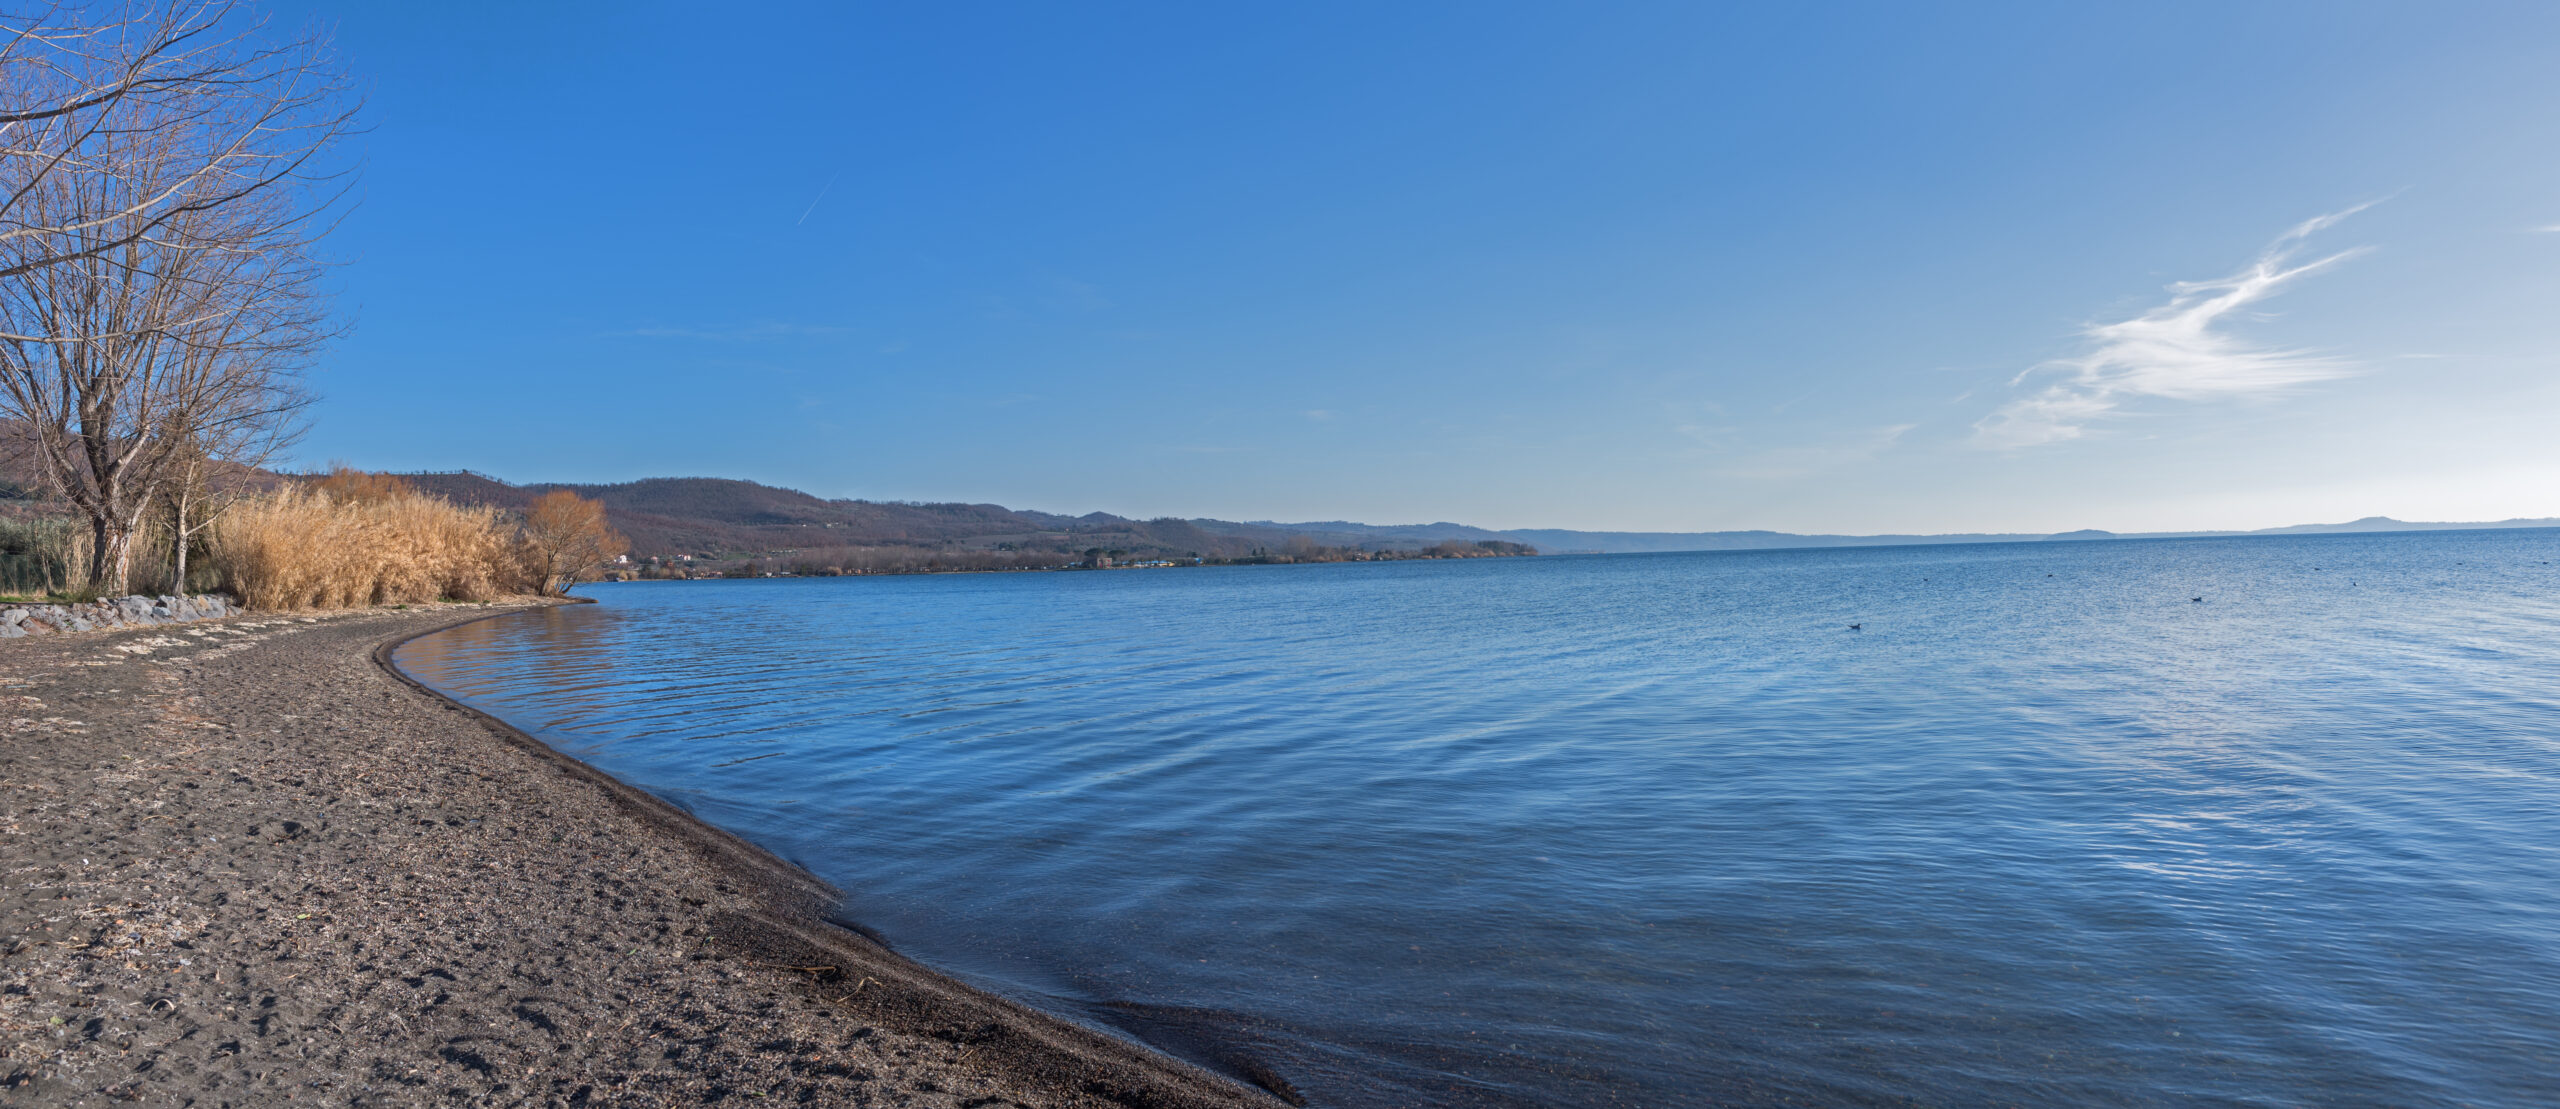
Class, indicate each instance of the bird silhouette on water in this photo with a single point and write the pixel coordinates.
(2198, 600)
(1857, 627)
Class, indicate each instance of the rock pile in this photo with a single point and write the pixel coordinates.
(18, 621)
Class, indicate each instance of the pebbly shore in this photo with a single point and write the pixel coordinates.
(19, 621)
(243, 863)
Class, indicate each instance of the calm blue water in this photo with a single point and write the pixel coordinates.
(1659, 829)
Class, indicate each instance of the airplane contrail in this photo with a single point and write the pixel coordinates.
(822, 195)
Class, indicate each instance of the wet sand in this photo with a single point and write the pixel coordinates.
(242, 863)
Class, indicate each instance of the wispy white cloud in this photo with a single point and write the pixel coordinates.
(1847, 449)
(1822, 454)
(1069, 294)
(1703, 423)
(2179, 351)
(752, 333)
(1713, 437)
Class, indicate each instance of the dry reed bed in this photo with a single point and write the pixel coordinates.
(304, 548)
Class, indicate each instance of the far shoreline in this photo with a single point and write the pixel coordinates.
(2054, 541)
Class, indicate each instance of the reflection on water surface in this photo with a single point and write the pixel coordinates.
(1660, 829)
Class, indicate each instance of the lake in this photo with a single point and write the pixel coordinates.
(2047, 829)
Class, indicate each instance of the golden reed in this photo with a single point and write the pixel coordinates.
(300, 548)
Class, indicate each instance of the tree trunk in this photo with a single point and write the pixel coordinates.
(111, 555)
(178, 555)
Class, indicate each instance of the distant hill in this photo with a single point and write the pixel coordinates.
(727, 518)
(2368, 524)
(2386, 523)
(723, 518)
(1632, 542)
(1620, 542)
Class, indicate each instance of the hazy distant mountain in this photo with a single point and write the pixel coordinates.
(1560, 541)
(723, 517)
(2369, 523)
(1634, 542)
(2386, 523)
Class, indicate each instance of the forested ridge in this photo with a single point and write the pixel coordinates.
(724, 518)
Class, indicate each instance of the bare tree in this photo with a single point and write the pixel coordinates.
(158, 293)
(255, 113)
(213, 468)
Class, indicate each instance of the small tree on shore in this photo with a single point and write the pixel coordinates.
(201, 485)
(566, 539)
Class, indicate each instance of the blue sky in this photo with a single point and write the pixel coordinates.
(1817, 268)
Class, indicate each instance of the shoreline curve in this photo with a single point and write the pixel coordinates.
(799, 929)
(252, 864)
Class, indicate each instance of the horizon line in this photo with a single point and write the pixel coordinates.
(2510, 522)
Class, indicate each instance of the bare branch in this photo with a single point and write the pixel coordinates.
(161, 190)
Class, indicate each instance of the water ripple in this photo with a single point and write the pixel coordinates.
(1659, 829)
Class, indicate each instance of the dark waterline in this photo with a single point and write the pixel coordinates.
(1660, 829)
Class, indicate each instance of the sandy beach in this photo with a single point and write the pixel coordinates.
(244, 864)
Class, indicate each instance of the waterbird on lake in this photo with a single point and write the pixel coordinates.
(1857, 627)
(2198, 600)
